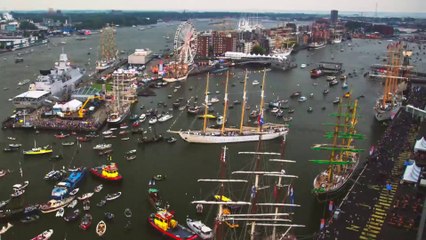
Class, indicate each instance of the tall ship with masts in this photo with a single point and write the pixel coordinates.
(397, 70)
(264, 131)
(108, 49)
(123, 95)
(344, 157)
(265, 210)
(185, 48)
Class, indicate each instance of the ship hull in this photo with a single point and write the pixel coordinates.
(120, 118)
(197, 137)
(175, 79)
(337, 190)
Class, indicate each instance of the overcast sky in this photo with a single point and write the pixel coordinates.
(220, 5)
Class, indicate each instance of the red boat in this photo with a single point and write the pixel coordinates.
(163, 222)
(61, 135)
(83, 139)
(136, 124)
(86, 221)
(107, 172)
(316, 73)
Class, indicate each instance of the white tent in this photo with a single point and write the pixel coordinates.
(412, 173)
(72, 105)
(420, 145)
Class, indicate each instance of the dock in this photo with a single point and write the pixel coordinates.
(379, 205)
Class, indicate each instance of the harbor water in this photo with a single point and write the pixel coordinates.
(183, 163)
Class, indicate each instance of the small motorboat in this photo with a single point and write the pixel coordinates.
(56, 157)
(98, 188)
(68, 143)
(31, 218)
(133, 151)
(255, 82)
(326, 91)
(130, 157)
(109, 216)
(60, 212)
(303, 65)
(21, 186)
(291, 110)
(310, 109)
(61, 135)
(336, 101)
(171, 140)
(86, 221)
(295, 94)
(200, 229)
(15, 145)
(86, 205)
(85, 196)
(101, 203)
(107, 172)
(3, 173)
(153, 120)
(159, 177)
(334, 82)
(74, 192)
(4, 203)
(73, 204)
(73, 216)
(17, 193)
(128, 212)
(302, 99)
(112, 196)
(5, 228)
(44, 235)
(101, 228)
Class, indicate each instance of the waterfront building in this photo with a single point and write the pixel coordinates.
(30, 99)
(334, 14)
(140, 57)
(204, 44)
(224, 42)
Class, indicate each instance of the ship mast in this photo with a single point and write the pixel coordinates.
(262, 100)
(225, 106)
(206, 100)
(244, 104)
(335, 138)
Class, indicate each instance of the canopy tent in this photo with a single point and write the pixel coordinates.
(412, 173)
(420, 145)
(72, 105)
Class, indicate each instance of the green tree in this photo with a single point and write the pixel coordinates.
(25, 25)
(257, 49)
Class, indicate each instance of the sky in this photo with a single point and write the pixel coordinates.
(220, 5)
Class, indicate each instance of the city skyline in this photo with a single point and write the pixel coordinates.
(410, 6)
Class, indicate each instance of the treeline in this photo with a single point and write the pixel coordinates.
(96, 20)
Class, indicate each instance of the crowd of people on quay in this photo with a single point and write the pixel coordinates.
(54, 123)
(405, 210)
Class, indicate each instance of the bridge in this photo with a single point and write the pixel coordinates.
(416, 112)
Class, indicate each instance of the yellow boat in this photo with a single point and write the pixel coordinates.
(38, 151)
(222, 198)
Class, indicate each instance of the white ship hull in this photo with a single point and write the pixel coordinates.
(198, 137)
(171, 79)
(116, 118)
(316, 45)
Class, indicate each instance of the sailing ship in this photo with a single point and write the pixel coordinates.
(108, 49)
(120, 108)
(344, 157)
(391, 101)
(177, 71)
(252, 219)
(38, 150)
(265, 131)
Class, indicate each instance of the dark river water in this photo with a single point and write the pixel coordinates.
(183, 163)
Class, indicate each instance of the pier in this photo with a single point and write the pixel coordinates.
(380, 205)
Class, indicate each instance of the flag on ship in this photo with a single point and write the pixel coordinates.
(260, 119)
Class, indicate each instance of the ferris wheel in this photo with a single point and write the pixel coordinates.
(185, 43)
